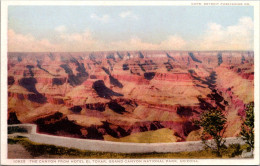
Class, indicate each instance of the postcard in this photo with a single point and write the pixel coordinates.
(129, 82)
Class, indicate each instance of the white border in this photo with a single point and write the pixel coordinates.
(4, 14)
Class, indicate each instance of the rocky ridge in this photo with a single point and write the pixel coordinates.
(98, 94)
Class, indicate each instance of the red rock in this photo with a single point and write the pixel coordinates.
(169, 98)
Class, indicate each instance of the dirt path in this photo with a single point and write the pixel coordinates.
(17, 151)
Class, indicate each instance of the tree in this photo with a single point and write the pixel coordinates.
(247, 129)
(213, 123)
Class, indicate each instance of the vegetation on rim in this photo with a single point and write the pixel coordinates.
(247, 129)
(213, 123)
(51, 151)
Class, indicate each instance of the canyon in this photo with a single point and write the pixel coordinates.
(129, 96)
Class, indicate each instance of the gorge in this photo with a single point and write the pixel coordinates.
(128, 96)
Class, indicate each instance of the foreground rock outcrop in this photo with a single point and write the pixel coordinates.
(121, 95)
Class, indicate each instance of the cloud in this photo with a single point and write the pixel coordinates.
(235, 37)
(79, 42)
(28, 43)
(104, 18)
(126, 14)
(135, 43)
(68, 42)
(173, 42)
(85, 42)
(216, 37)
(60, 29)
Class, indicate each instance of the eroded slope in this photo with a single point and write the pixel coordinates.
(124, 96)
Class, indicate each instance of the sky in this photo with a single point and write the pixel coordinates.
(102, 28)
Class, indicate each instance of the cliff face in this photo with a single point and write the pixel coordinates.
(92, 95)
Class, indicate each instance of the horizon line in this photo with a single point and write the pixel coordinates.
(130, 51)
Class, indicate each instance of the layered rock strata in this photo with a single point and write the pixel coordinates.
(113, 95)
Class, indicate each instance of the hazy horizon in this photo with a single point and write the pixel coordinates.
(122, 28)
(130, 51)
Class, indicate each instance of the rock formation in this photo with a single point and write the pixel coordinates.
(114, 95)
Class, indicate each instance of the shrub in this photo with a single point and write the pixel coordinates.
(213, 124)
(233, 150)
(16, 129)
(247, 129)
